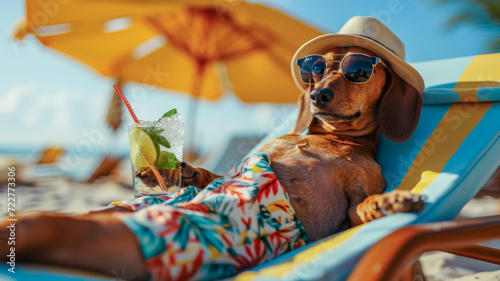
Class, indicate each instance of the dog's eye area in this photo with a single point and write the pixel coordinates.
(318, 68)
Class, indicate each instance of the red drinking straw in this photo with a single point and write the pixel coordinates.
(125, 101)
(159, 178)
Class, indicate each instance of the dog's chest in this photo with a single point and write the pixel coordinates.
(305, 153)
(310, 169)
(308, 147)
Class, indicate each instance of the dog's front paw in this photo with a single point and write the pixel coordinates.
(397, 202)
(172, 178)
(190, 175)
(147, 176)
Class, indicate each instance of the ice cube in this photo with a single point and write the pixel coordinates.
(174, 133)
(146, 123)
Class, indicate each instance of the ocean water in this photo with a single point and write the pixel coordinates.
(73, 163)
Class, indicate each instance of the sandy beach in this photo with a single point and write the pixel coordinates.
(439, 266)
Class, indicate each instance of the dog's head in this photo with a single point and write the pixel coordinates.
(385, 101)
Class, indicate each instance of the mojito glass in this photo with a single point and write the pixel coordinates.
(156, 153)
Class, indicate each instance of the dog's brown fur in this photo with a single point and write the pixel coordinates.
(330, 174)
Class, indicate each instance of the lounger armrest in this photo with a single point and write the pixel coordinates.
(386, 260)
(478, 252)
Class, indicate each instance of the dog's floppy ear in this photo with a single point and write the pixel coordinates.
(399, 110)
(305, 117)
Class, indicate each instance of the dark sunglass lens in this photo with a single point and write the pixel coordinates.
(357, 68)
(318, 70)
(312, 69)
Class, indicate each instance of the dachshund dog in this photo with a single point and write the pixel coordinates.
(330, 174)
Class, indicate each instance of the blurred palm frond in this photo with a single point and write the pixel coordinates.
(484, 14)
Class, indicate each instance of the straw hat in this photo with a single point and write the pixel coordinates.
(368, 33)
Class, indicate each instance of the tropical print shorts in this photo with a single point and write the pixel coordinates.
(237, 222)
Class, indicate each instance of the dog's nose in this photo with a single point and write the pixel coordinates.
(321, 97)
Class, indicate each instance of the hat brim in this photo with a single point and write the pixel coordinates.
(325, 42)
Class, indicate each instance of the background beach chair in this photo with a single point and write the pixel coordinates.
(28, 172)
(105, 168)
(50, 155)
(97, 168)
(451, 155)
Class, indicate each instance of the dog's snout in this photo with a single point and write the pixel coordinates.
(321, 97)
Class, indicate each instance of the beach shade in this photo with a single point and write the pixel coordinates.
(196, 47)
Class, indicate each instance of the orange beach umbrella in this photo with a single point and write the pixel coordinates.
(194, 47)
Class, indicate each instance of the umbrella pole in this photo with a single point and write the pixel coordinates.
(114, 117)
(193, 110)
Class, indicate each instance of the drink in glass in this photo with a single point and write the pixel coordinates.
(155, 152)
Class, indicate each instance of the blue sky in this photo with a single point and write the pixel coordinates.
(46, 98)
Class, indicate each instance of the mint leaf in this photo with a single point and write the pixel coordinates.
(167, 160)
(155, 134)
(163, 141)
(169, 113)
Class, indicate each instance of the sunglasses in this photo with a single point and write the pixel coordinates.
(356, 68)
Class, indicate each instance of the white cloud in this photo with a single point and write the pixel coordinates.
(48, 110)
(10, 101)
(33, 116)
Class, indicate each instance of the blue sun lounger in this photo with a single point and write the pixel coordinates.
(450, 156)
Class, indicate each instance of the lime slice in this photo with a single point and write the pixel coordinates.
(142, 146)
